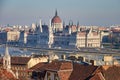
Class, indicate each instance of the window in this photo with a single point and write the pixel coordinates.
(48, 76)
(56, 77)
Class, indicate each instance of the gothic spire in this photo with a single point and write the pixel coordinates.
(6, 51)
(40, 26)
(78, 23)
(63, 23)
(50, 23)
(6, 59)
(78, 26)
(56, 13)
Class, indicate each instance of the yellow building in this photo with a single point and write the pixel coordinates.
(13, 35)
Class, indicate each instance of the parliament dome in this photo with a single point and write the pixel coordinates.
(56, 19)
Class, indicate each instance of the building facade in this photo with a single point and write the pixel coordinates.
(54, 35)
(57, 36)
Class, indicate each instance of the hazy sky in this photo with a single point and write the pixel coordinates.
(87, 12)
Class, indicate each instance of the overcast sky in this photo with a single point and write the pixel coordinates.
(87, 12)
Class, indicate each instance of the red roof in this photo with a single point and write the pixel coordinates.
(59, 65)
(111, 72)
(39, 66)
(82, 72)
(18, 60)
(54, 65)
(64, 75)
(97, 76)
(6, 75)
(67, 70)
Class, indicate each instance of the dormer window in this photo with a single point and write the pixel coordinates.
(56, 77)
(48, 76)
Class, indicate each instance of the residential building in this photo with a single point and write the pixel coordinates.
(67, 70)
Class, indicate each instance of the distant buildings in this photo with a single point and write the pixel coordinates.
(60, 36)
(10, 37)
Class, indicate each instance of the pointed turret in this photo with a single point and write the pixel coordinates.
(78, 23)
(78, 27)
(70, 23)
(56, 14)
(7, 60)
(16, 74)
(50, 27)
(40, 26)
(91, 28)
(7, 52)
(50, 23)
(63, 24)
(70, 30)
(50, 42)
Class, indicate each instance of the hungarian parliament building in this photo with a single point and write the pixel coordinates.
(54, 35)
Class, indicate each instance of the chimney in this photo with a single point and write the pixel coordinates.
(80, 58)
(63, 56)
(93, 62)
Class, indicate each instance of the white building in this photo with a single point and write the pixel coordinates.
(57, 36)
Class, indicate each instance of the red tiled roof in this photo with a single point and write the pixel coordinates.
(39, 66)
(5, 75)
(82, 72)
(96, 77)
(54, 65)
(64, 75)
(111, 72)
(74, 71)
(1, 60)
(67, 70)
(59, 65)
(18, 60)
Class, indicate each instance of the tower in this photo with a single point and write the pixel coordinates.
(40, 26)
(78, 27)
(56, 13)
(50, 35)
(70, 30)
(7, 60)
(70, 27)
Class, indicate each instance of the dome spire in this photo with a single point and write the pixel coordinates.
(56, 13)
